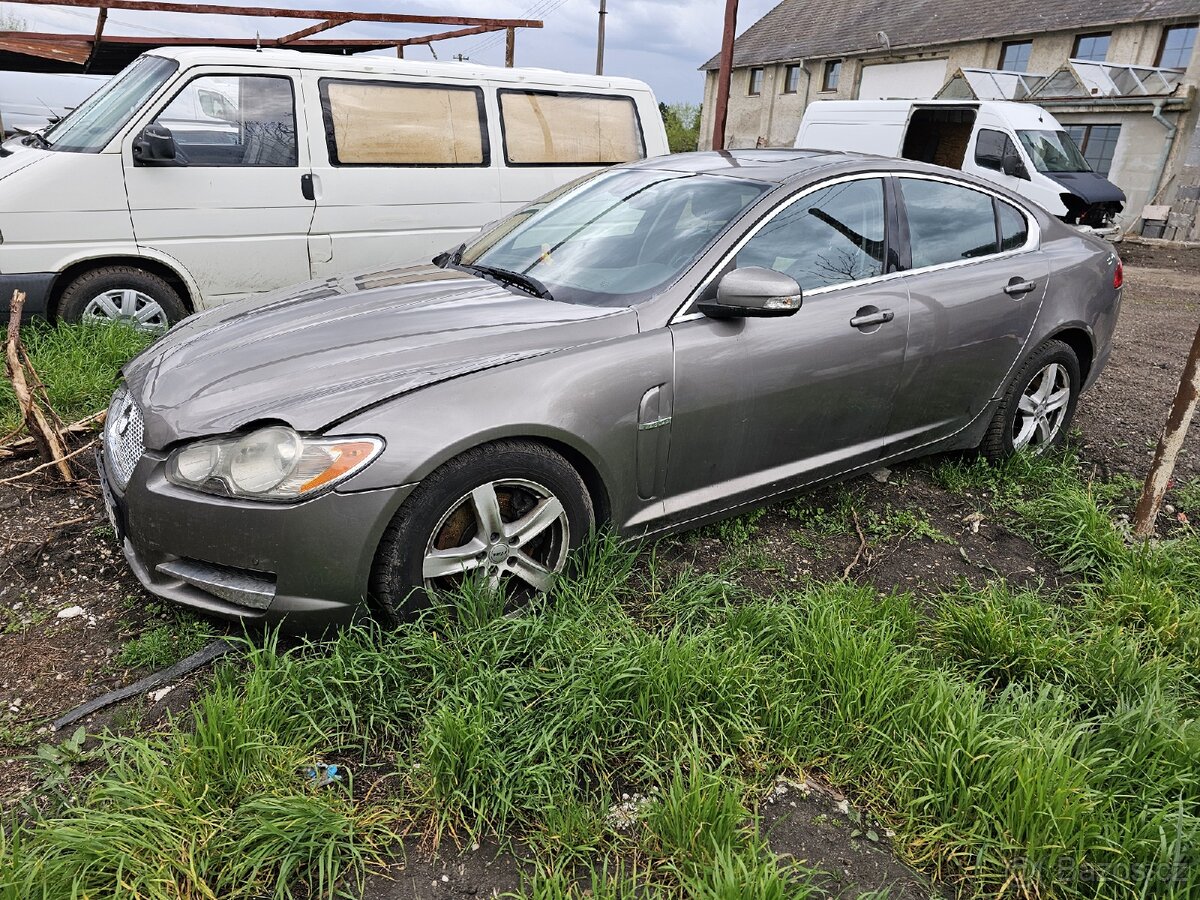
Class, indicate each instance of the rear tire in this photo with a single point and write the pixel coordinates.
(122, 294)
(1038, 406)
(507, 512)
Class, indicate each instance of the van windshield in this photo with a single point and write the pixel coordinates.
(1053, 151)
(91, 125)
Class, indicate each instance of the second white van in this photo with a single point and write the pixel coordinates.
(203, 175)
(1017, 145)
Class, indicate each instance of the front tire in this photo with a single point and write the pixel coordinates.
(124, 294)
(507, 513)
(1038, 406)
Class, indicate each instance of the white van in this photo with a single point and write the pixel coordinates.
(203, 175)
(1017, 145)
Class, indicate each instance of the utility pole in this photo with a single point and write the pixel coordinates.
(721, 107)
(600, 38)
(1169, 444)
(510, 48)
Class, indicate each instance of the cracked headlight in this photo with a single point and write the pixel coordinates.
(274, 463)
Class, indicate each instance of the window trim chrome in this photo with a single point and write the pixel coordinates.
(1032, 240)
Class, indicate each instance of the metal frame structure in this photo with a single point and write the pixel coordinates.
(108, 54)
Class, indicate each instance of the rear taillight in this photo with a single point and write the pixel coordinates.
(1118, 275)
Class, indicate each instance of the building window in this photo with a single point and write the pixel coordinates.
(1097, 143)
(791, 80)
(756, 79)
(833, 71)
(1014, 56)
(1175, 51)
(1092, 47)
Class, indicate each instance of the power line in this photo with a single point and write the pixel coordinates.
(542, 9)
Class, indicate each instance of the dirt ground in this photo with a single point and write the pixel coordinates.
(68, 602)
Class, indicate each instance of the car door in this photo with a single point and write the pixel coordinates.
(976, 281)
(761, 405)
(232, 208)
(403, 169)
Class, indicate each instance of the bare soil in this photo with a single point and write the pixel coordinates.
(57, 552)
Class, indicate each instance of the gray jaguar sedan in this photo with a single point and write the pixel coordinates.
(659, 345)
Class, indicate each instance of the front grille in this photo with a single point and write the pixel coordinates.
(123, 435)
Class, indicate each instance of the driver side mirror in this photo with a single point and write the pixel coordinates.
(155, 146)
(1011, 164)
(753, 292)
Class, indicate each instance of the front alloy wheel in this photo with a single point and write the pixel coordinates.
(505, 514)
(513, 530)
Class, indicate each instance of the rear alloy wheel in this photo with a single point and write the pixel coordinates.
(1037, 408)
(504, 515)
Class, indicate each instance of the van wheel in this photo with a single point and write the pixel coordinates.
(122, 294)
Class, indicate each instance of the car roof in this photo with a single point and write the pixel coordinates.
(787, 165)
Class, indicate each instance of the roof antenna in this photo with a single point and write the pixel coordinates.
(257, 42)
(431, 50)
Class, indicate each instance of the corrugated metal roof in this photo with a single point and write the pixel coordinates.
(807, 29)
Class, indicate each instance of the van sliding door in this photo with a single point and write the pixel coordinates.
(402, 170)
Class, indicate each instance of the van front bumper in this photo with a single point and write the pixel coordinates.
(36, 286)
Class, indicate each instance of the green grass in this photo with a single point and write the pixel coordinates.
(164, 645)
(78, 364)
(1020, 742)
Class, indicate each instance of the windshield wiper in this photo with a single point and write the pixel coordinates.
(527, 283)
(34, 137)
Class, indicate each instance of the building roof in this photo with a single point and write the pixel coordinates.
(814, 29)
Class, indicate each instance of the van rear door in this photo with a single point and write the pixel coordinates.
(403, 168)
(232, 207)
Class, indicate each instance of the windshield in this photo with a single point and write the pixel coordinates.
(1053, 151)
(91, 125)
(617, 239)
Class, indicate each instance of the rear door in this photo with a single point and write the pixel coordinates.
(233, 211)
(403, 169)
(976, 282)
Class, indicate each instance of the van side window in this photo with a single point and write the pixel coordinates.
(380, 123)
(234, 120)
(1014, 230)
(991, 147)
(831, 236)
(554, 128)
(946, 222)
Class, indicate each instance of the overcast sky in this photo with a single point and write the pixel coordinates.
(660, 41)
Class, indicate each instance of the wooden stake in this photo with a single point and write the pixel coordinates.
(1169, 444)
(44, 434)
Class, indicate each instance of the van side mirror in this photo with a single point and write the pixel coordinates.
(753, 292)
(1011, 164)
(155, 146)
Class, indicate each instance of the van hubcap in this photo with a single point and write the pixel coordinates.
(1042, 408)
(128, 306)
(511, 530)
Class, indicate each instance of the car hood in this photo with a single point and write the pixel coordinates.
(1090, 187)
(320, 352)
(15, 156)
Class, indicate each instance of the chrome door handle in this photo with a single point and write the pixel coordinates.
(1017, 288)
(875, 318)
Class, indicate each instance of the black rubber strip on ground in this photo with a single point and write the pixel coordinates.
(202, 657)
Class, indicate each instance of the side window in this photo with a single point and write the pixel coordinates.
(991, 148)
(234, 120)
(1014, 230)
(831, 236)
(548, 128)
(376, 123)
(946, 222)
